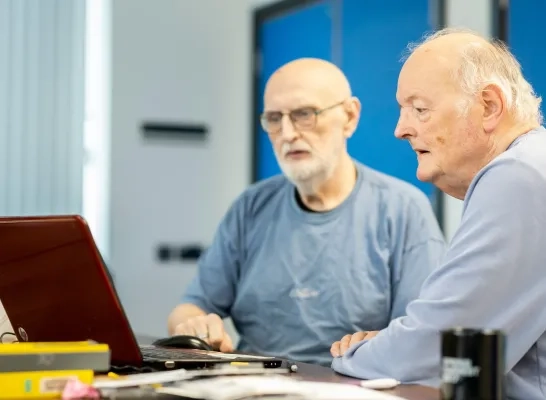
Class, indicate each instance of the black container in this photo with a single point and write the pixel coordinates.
(473, 364)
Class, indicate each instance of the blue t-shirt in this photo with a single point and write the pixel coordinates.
(493, 276)
(295, 281)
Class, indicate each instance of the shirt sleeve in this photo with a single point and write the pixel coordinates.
(492, 277)
(213, 289)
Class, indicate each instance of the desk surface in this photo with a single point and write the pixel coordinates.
(322, 374)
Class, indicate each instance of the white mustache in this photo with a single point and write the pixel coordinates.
(286, 148)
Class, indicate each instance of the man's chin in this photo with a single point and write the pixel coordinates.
(299, 179)
(425, 175)
(300, 176)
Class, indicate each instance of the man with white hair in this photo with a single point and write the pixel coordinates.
(325, 249)
(475, 125)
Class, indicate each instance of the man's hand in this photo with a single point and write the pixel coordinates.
(210, 328)
(340, 347)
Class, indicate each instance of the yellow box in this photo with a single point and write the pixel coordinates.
(52, 347)
(54, 356)
(39, 384)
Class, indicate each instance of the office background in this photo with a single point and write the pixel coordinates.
(80, 78)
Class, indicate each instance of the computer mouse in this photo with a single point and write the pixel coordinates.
(183, 342)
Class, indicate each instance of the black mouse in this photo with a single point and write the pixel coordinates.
(183, 342)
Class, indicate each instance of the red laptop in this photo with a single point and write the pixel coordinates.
(55, 287)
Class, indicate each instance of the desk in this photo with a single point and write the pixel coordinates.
(310, 372)
(317, 373)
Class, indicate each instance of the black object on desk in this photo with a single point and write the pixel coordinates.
(183, 342)
(473, 363)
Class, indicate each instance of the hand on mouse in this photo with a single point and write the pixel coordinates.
(209, 328)
(341, 346)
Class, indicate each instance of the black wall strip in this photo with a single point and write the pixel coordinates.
(174, 131)
(438, 200)
(500, 20)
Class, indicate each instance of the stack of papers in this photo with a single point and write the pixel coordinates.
(241, 387)
(154, 378)
(149, 378)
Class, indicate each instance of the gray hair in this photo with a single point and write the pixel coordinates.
(484, 65)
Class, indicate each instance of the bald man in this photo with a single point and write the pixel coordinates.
(326, 248)
(475, 125)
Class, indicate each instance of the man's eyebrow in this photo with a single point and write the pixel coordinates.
(411, 98)
(306, 104)
(298, 106)
(405, 100)
(416, 96)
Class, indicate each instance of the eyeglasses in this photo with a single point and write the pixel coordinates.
(304, 118)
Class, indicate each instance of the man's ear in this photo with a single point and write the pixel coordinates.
(352, 108)
(494, 106)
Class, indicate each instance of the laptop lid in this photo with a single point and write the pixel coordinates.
(54, 286)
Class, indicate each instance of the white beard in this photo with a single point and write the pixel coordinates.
(302, 171)
(308, 175)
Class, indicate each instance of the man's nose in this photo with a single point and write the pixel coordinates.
(399, 130)
(288, 131)
(403, 129)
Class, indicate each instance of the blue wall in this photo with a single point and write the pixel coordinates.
(304, 33)
(366, 39)
(375, 34)
(527, 40)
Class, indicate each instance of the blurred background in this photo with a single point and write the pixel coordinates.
(141, 115)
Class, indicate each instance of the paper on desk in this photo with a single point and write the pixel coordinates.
(236, 388)
(5, 324)
(151, 378)
(148, 378)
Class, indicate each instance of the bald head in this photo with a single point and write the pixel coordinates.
(308, 109)
(473, 62)
(441, 55)
(452, 41)
(311, 80)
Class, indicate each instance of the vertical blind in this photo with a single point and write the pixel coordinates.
(42, 77)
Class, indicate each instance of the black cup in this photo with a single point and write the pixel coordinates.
(473, 364)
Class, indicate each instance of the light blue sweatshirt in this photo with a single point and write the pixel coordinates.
(493, 276)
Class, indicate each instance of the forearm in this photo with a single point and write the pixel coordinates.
(402, 352)
(181, 313)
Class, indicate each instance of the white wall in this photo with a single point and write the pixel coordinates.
(184, 61)
(479, 19)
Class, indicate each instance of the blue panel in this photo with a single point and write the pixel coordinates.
(526, 38)
(303, 33)
(375, 35)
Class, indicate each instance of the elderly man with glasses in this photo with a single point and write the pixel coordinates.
(328, 248)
